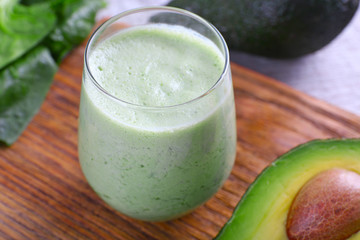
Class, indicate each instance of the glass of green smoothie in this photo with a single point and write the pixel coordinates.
(157, 129)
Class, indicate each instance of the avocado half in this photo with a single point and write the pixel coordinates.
(276, 28)
(262, 212)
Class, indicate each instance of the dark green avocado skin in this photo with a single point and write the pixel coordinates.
(275, 28)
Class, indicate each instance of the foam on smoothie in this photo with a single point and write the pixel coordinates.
(156, 65)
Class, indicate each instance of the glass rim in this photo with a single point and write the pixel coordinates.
(144, 9)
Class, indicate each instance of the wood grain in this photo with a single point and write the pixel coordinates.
(44, 194)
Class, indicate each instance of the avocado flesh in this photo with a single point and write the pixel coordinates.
(277, 28)
(262, 211)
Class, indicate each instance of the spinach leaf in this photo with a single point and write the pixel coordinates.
(28, 30)
(23, 87)
(76, 20)
(22, 28)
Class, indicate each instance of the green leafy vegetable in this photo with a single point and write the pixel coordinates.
(23, 87)
(22, 27)
(76, 19)
(32, 34)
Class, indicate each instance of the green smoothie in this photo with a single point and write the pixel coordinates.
(157, 129)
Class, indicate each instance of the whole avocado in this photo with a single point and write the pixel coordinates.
(276, 28)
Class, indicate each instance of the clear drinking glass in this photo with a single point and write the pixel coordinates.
(148, 161)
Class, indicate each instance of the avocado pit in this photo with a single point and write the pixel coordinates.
(326, 207)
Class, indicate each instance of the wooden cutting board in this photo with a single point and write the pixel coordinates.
(44, 195)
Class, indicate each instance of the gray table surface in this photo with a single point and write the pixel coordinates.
(331, 74)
